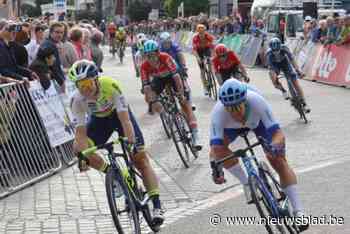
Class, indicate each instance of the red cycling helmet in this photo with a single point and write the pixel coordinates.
(220, 49)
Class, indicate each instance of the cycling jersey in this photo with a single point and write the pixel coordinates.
(173, 51)
(110, 99)
(120, 36)
(200, 44)
(259, 119)
(232, 61)
(112, 28)
(166, 68)
(281, 61)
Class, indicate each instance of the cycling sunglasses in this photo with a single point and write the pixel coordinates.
(151, 55)
(223, 56)
(85, 84)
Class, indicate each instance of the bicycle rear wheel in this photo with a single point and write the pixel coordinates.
(178, 138)
(121, 204)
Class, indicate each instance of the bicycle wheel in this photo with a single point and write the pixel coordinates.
(211, 85)
(121, 204)
(188, 137)
(275, 188)
(296, 101)
(166, 123)
(178, 138)
(263, 202)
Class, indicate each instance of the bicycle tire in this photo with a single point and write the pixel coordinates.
(113, 177)
(165, 121)
(262, 204)
(275, 188)
(146, 211)
(296, 102)
(177, 137)
(188, 137)
(213, 87)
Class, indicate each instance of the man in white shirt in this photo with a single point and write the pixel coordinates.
(33, 46)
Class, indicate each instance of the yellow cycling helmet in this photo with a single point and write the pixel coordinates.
(201, 28)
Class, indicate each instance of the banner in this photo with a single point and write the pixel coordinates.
(52, 113)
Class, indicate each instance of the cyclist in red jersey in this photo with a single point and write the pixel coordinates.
(158, 70)
(226, 65)
(202, 44)
(112, 29)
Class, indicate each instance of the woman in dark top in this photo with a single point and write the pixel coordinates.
(42, 66)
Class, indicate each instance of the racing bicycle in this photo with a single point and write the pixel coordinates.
(266, 191)
(210, 80)
(176, 126)
(126, 196)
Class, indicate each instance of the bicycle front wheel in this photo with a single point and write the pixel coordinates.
(212, 89)
(296, 101)
(179, 138)
(121, 204)
(263, 203)
(166, 123)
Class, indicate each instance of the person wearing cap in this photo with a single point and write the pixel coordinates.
(8, 64)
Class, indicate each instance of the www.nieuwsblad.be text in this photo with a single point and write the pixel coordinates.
(217, 219)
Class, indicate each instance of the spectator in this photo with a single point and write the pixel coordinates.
(86, 44)
(8, 63)
(331, 31)
(96, 52)
(67, 55)
(307, 28)
(56, 33)
(43, 66)
(76, 36)
(345, 34)
(33, 46)
(103, 28)
(320, 34)
(21, 53)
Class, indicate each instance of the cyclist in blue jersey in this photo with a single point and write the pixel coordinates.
(241, 109)
(279, 58)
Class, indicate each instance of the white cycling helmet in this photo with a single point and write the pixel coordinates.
(165, 36)
(141, 37)
(83, 69)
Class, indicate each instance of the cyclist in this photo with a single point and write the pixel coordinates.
(241, 109)
(162, 68)
(280, 58)
(121, 36)
(137, 51)
(171, 48)
(102, 99)
(111, 31)
(202, 44)
(226, 64)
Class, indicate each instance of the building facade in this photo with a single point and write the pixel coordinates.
(222, 8)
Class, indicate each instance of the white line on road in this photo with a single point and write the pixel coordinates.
(177, 214)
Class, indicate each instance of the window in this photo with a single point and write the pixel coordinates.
(214, 11)
(273, 24)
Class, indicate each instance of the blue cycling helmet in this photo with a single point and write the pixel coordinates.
(165, 36)
(232, 92)
(151, 46)
(275, 44)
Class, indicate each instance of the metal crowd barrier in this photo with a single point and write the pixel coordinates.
(25, 152)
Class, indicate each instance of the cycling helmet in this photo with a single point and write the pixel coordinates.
(232, 92)
(141, 36)
(165, 36)
(220, 49)
(121, 29)
(201, 28)
(83, 69)
(275, 44)
(151, 46)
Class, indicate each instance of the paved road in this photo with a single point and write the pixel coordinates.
(71, 202)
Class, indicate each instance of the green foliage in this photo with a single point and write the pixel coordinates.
(139, 10)
(192, 7)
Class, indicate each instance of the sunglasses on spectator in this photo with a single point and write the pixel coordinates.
(13, 28)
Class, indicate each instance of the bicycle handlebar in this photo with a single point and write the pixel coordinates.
(238, 153)
(93, 149)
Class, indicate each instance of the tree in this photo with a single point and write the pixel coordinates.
(192, 7)
(138, 11)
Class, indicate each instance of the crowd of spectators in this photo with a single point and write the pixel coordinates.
(44, 51)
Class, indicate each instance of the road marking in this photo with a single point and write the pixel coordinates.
(182, 212)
